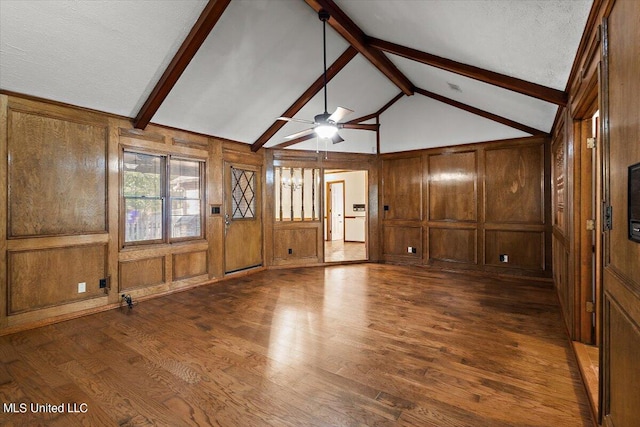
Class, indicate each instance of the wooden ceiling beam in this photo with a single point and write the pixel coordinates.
(315, 87)
(198, 34)
(341, 22)
(524, 87)
(294, 141)
(482, 113)
(377, 113)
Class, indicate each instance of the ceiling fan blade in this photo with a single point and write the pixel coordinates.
(336, 138)
(361, 126)
(292, 119)
(339, 114)
(299, 134)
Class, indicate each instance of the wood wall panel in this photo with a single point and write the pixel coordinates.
(524, 248)
(142, 273)
(189, 264)
(452, 186)
(621, 276)
(57, 176)
(558, 184)
(398, 238)
(301, 241)
(402, 188)
(513, 184)
(452, 244)
(493, 190)
(622, 370)
(50, 277)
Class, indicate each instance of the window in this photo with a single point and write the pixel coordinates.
(243, 197)
(297, 194)
(162, 198)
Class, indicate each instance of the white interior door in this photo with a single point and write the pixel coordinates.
(337, 211)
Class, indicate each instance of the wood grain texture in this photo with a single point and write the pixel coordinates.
(397, 239)
(302, 241)
(513, 184)
(57, 175)
(452, 244)
(453, 187)
(141, 273)
(621, 268)
(525, 249)
(189, 264)
(50, 277)
(402, 188)
(363, 344)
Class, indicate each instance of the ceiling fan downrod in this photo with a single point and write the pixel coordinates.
(324, 17)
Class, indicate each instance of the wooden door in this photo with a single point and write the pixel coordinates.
(243, 217)
(620, 367)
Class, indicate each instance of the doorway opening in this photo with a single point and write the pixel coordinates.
(345, 216)
(588, 316)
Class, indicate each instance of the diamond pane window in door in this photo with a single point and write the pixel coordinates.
(243, 186)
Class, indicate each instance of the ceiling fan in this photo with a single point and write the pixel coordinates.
(326, 125)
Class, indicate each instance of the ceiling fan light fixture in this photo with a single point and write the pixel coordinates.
(326, 130)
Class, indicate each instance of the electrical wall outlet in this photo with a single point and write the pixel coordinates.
(409, 250)
(504, 258)
(82, 287)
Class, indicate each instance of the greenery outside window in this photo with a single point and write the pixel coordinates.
(162, 198)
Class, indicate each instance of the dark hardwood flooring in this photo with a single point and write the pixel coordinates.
(355, 345)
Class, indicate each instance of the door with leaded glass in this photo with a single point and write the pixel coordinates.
(243, 217)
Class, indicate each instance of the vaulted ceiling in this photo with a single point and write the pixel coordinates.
(433, 72)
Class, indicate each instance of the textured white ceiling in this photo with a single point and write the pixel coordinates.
(359, 87)
(419, 122)
(503, 102)
(259, 58)
(100, 54)
(262, 55)
(535, 40)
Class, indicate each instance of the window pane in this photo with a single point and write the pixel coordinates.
(185, 179)
(185, 193)
(143, 219)
(142, 175)
(243, 201)
(185, 218)
(297, 194)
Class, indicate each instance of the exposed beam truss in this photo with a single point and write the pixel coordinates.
(198, 34)
(481, 113)
(340, 22)
(315, 87)
(534, 90)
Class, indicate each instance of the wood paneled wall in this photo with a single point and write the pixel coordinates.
(56, 209)
(605, 77)
(621, 284)
(305, 239)
(62, 213)
(463, 207)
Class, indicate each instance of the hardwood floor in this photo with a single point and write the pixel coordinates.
(352, 345)
(588, 357)
(339, 250)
